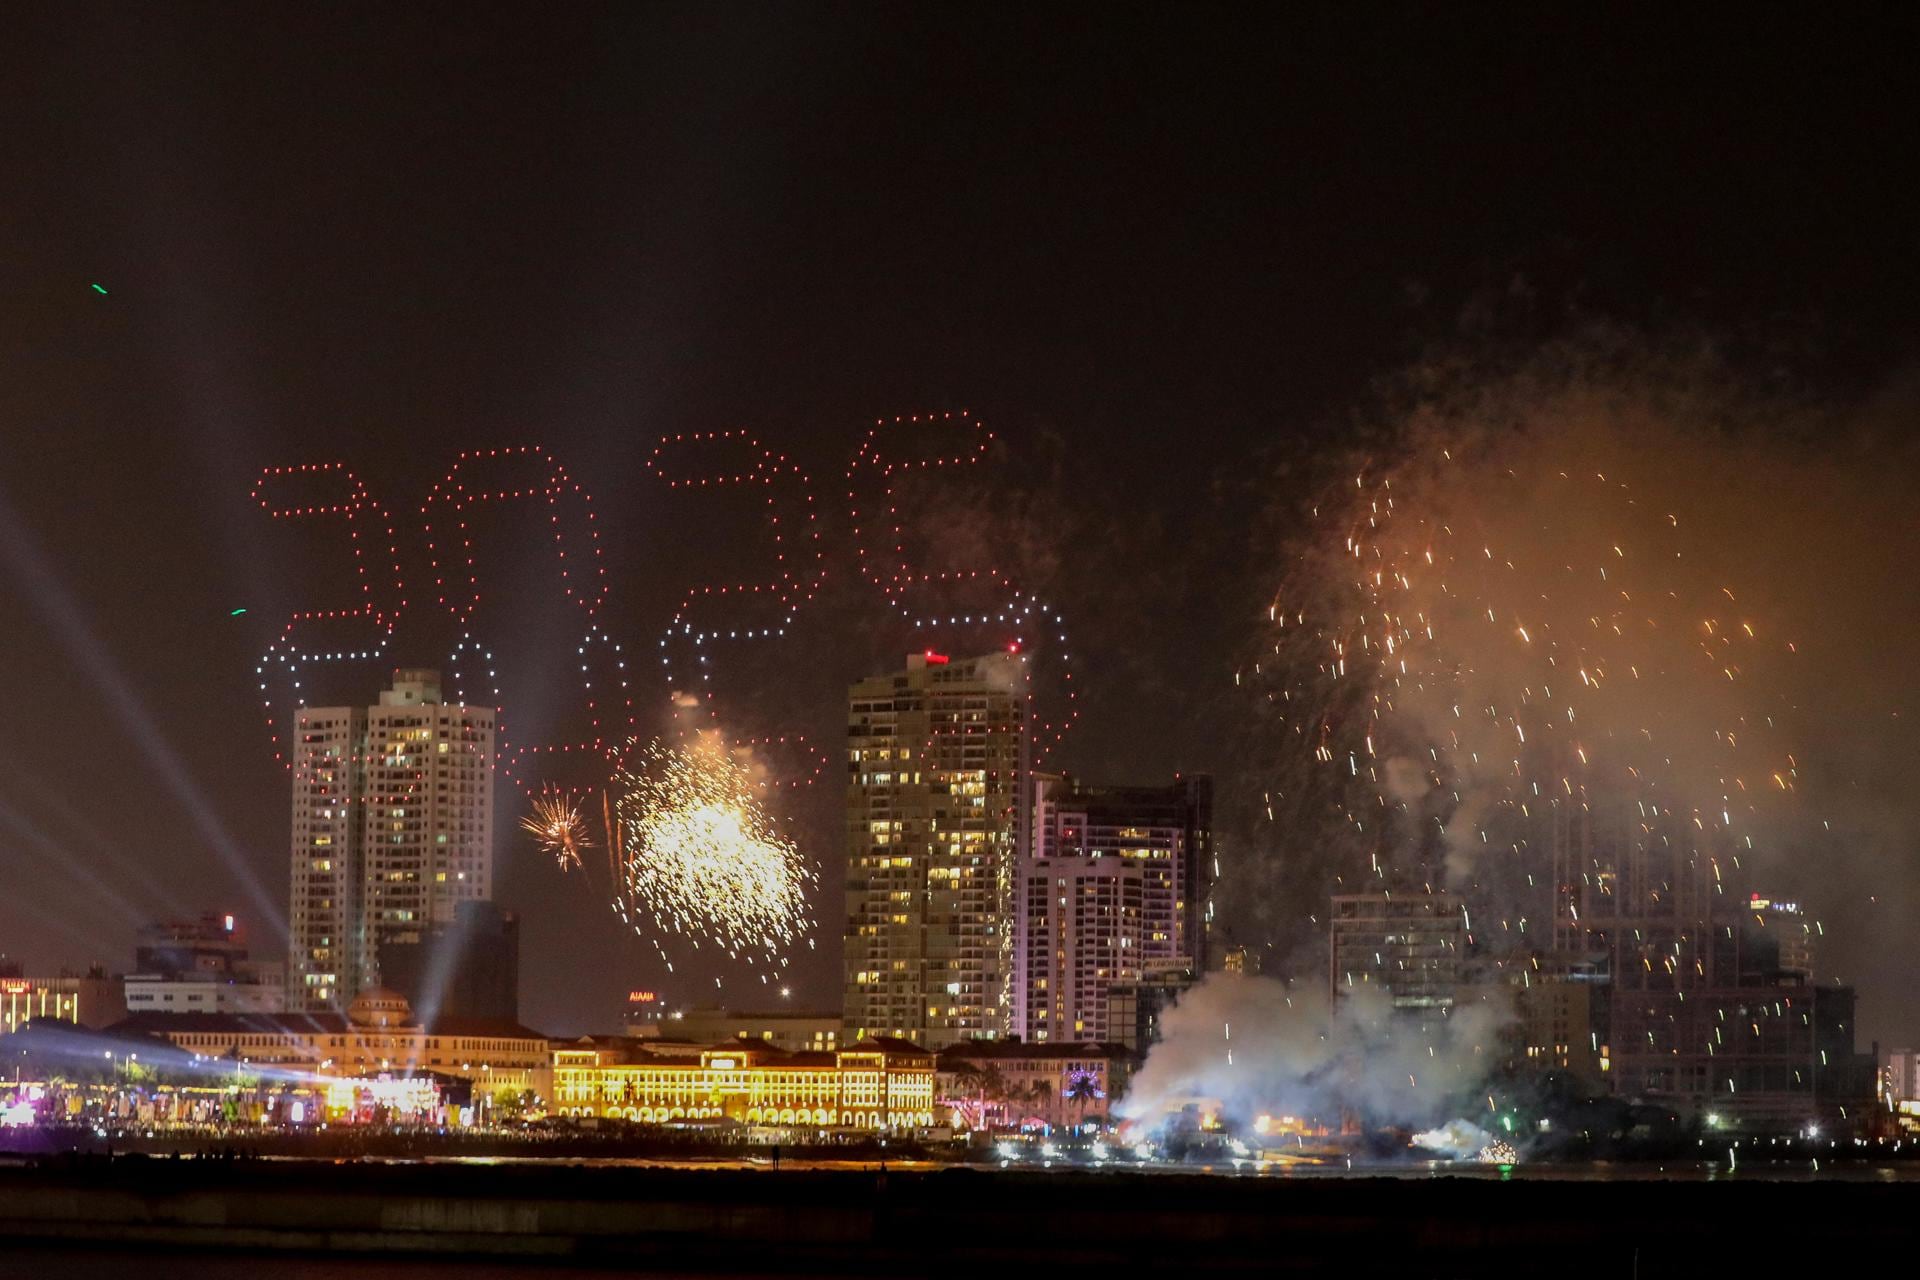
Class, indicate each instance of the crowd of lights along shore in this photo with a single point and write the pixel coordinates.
(696, 857)
(1474, 636)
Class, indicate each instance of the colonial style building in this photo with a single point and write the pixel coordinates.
(392, 831)
(378, 1036)
(877, 1086)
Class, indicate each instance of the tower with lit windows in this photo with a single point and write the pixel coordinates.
(1114, 890)
(392, 831)
(936, 813)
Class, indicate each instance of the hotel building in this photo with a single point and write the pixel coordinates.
(877, 1086)
(377, 1036)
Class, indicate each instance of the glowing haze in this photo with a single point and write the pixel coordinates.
(1601, 576)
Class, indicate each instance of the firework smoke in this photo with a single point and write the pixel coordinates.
(1604, 579)
(1257, 1046)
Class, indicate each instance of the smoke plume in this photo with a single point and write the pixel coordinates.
(1606, 575)
(1254, 1046)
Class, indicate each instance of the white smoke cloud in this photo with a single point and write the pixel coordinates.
(1255, 1046)
(1461, 1139)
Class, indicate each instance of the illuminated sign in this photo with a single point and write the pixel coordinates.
(642, 997)
(15, 986)
(724, 1064)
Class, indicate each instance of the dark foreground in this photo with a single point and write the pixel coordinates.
(157, 1218)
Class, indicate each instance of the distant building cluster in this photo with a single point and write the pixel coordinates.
(985, 902)
(1657, 982)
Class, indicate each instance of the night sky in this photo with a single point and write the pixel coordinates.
(1163, 252)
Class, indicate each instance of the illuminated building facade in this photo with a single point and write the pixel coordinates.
(936, 811)
(1559, 1006)
(1412, 945)
(877, 1086)
(1900, 1076)
(1115, 886)
(94, 1000)
(376, 1036)
(392, 830)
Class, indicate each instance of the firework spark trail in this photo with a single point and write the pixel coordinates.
(555, 823)
(1501, 623)
(697, 857)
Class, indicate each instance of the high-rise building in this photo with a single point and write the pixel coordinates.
(936, 814)
(1792, 931)
(392, 830)
(1411, 945)
(1711, 1008)
(1134, 1009)
(1114, 888)
(1900, 1076)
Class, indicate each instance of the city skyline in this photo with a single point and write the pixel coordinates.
(1196, 308)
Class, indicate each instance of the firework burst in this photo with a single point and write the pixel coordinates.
(556, 824)
(696, 856)
(1496, 633)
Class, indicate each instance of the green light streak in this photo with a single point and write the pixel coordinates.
(100, 289)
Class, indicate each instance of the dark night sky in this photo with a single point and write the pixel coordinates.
(1146, 244)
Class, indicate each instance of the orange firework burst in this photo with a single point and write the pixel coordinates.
(556, 823)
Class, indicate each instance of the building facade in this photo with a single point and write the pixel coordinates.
(377, 1036)
(158, 993)
(1411, 945)
(1560, 1017)
(467, 969)
(1115, 887)
(936, 811)
(1134, 1009)
(1711, 1010)
(1008, 1085)
(876, 1086)
(91, 1000)
(392, 830)
(1900, 1076)
(201, 966)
